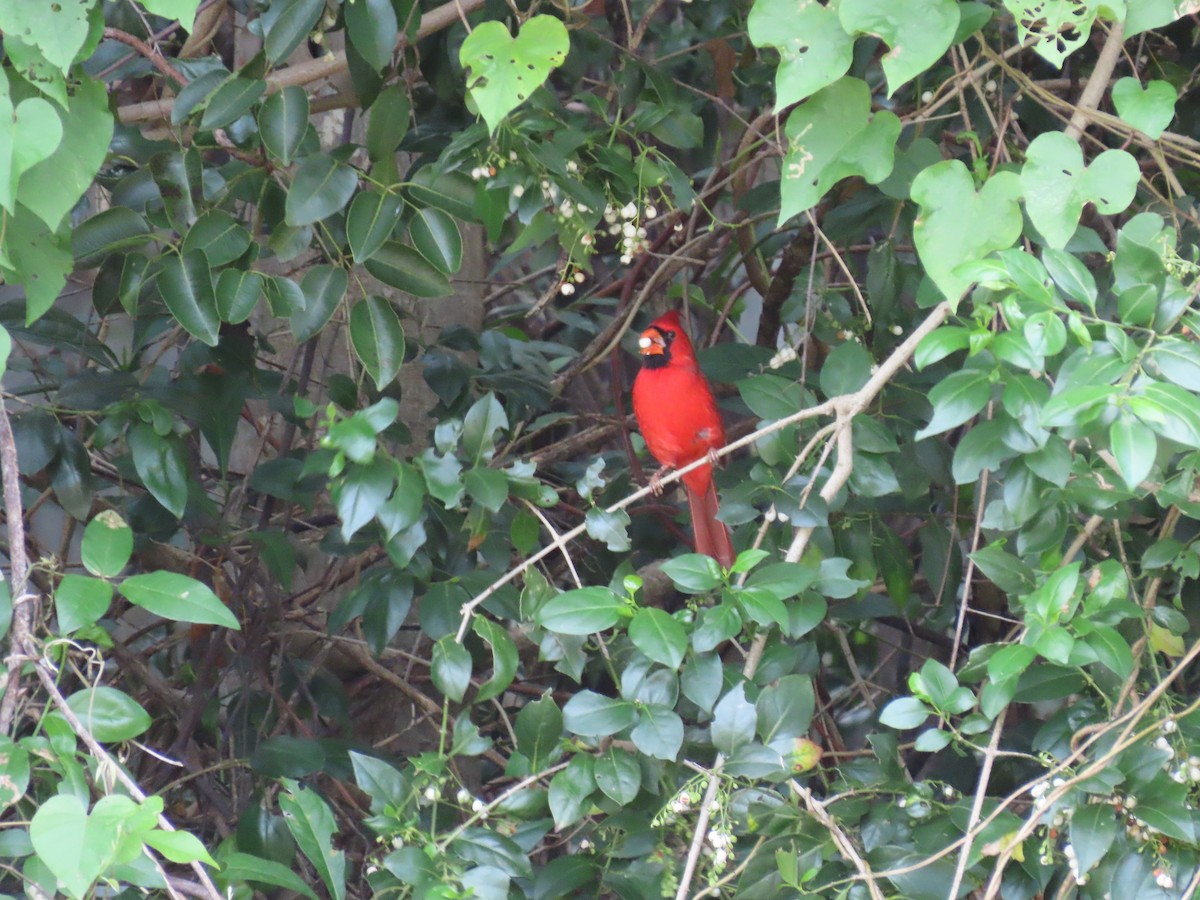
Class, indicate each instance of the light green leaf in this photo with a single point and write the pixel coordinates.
(311, 823)
(956, 224)
(1057, 28)
(504, 70)
(1150, 109)
(956, 398)
(1134, 446)
(917, 31)
(814, 48)
(658, 635)
(57, 29)
(451, 668)
(1056, 184)
(108, 714)
(177, 597)
(583, 611)
(833, 136)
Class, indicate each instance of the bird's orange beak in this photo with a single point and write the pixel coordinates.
(651, 343)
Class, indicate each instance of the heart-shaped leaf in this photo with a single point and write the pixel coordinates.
(506, 70)
(1150, 109)
(1057, 184)
(1058, 28)
(834, 136)
(956, 224)
(814, 48)
(33, 133)
(917, 31)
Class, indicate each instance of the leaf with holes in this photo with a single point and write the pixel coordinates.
(957, 224)
(834, 136)
(1057, 27)
(814, 49)
(505, 70)
(1057, 184)
(917, 31)
(1149, 109)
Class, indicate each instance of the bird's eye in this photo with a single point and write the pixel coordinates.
(669, 335)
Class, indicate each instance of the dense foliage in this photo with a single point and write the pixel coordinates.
(329, 565)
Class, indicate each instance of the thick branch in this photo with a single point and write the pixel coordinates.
(314, 70)
(24, 606)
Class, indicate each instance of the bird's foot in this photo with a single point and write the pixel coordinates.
(656, 487)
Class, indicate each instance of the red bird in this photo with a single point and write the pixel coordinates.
(678, 417)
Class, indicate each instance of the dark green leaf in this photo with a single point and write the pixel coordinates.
(451, 670)
(186, 286)
(237, 294)
(283, 122)
(160, 463)
(372, 27)
(320, 187)
(230, 101)
(323, 288)
(378, 338)
(400, 266)
(370, 222)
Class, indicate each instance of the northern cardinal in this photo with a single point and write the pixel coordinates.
(678, 417)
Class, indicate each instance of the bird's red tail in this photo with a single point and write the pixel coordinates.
(712, 537)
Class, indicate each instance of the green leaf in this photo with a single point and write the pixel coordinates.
(283, 122)
(186, 286)
(833, 136)
(618, 775)
(1071, 276)
(593, 715)
(504, 659)
(237, 294)
(610, 527)
(1178, 360)
(785, 710)
(378, 339)
(504, 70)
(231, 101)
(435, 236)
(294, 22)
(177, 597)
(242, 867)
(400, 266)
(372, 27)
(693, 573)
(1057, 184)
(80, 601)
(761, 606)
(221, 236)
(658, 733)
(1010, 661)
(904, 713)
(784, 580)
(161, 465)
(451, 668)
(956, 224)
(1112, 650)
(583, 611)
(1150, 109)
(114, 229)
(570, 791)
(51, 188)
(701, 680)
(956, 398)
(1134, 447)
(1055, 29)
(320, 187)
(323, 287)
(814, 48)
(917, 31)
(178, 846)
(311, 823)
(361, 492)
(846, 369)
(538, 730)
(58, 30)
(370, 222)
(387, 122)
(1093, 829)
(659, 636)
(108, 714)
(715, 625)
(58, 832)
(734, 720)
(483, 421)
(107, 544)
(40, 261)
(1169, 410)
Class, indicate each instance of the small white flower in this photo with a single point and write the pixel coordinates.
(641, 232)
(431, 793)
(567, 209)
(626, 259)
(586, 240)
(518, 191)
(650, 211)
(678, 226)
(479, 808)
(397, 843)
(463, 796)
(948, 792)
(580, 278)
(897, 330)
(583, 209)
(1163, 879)
(585, 844)
(512, 155)
(567, 289)
(990, 86)
(572, 166)
(628, 230)
(629, 210)
(927, 96)
(614, 230)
